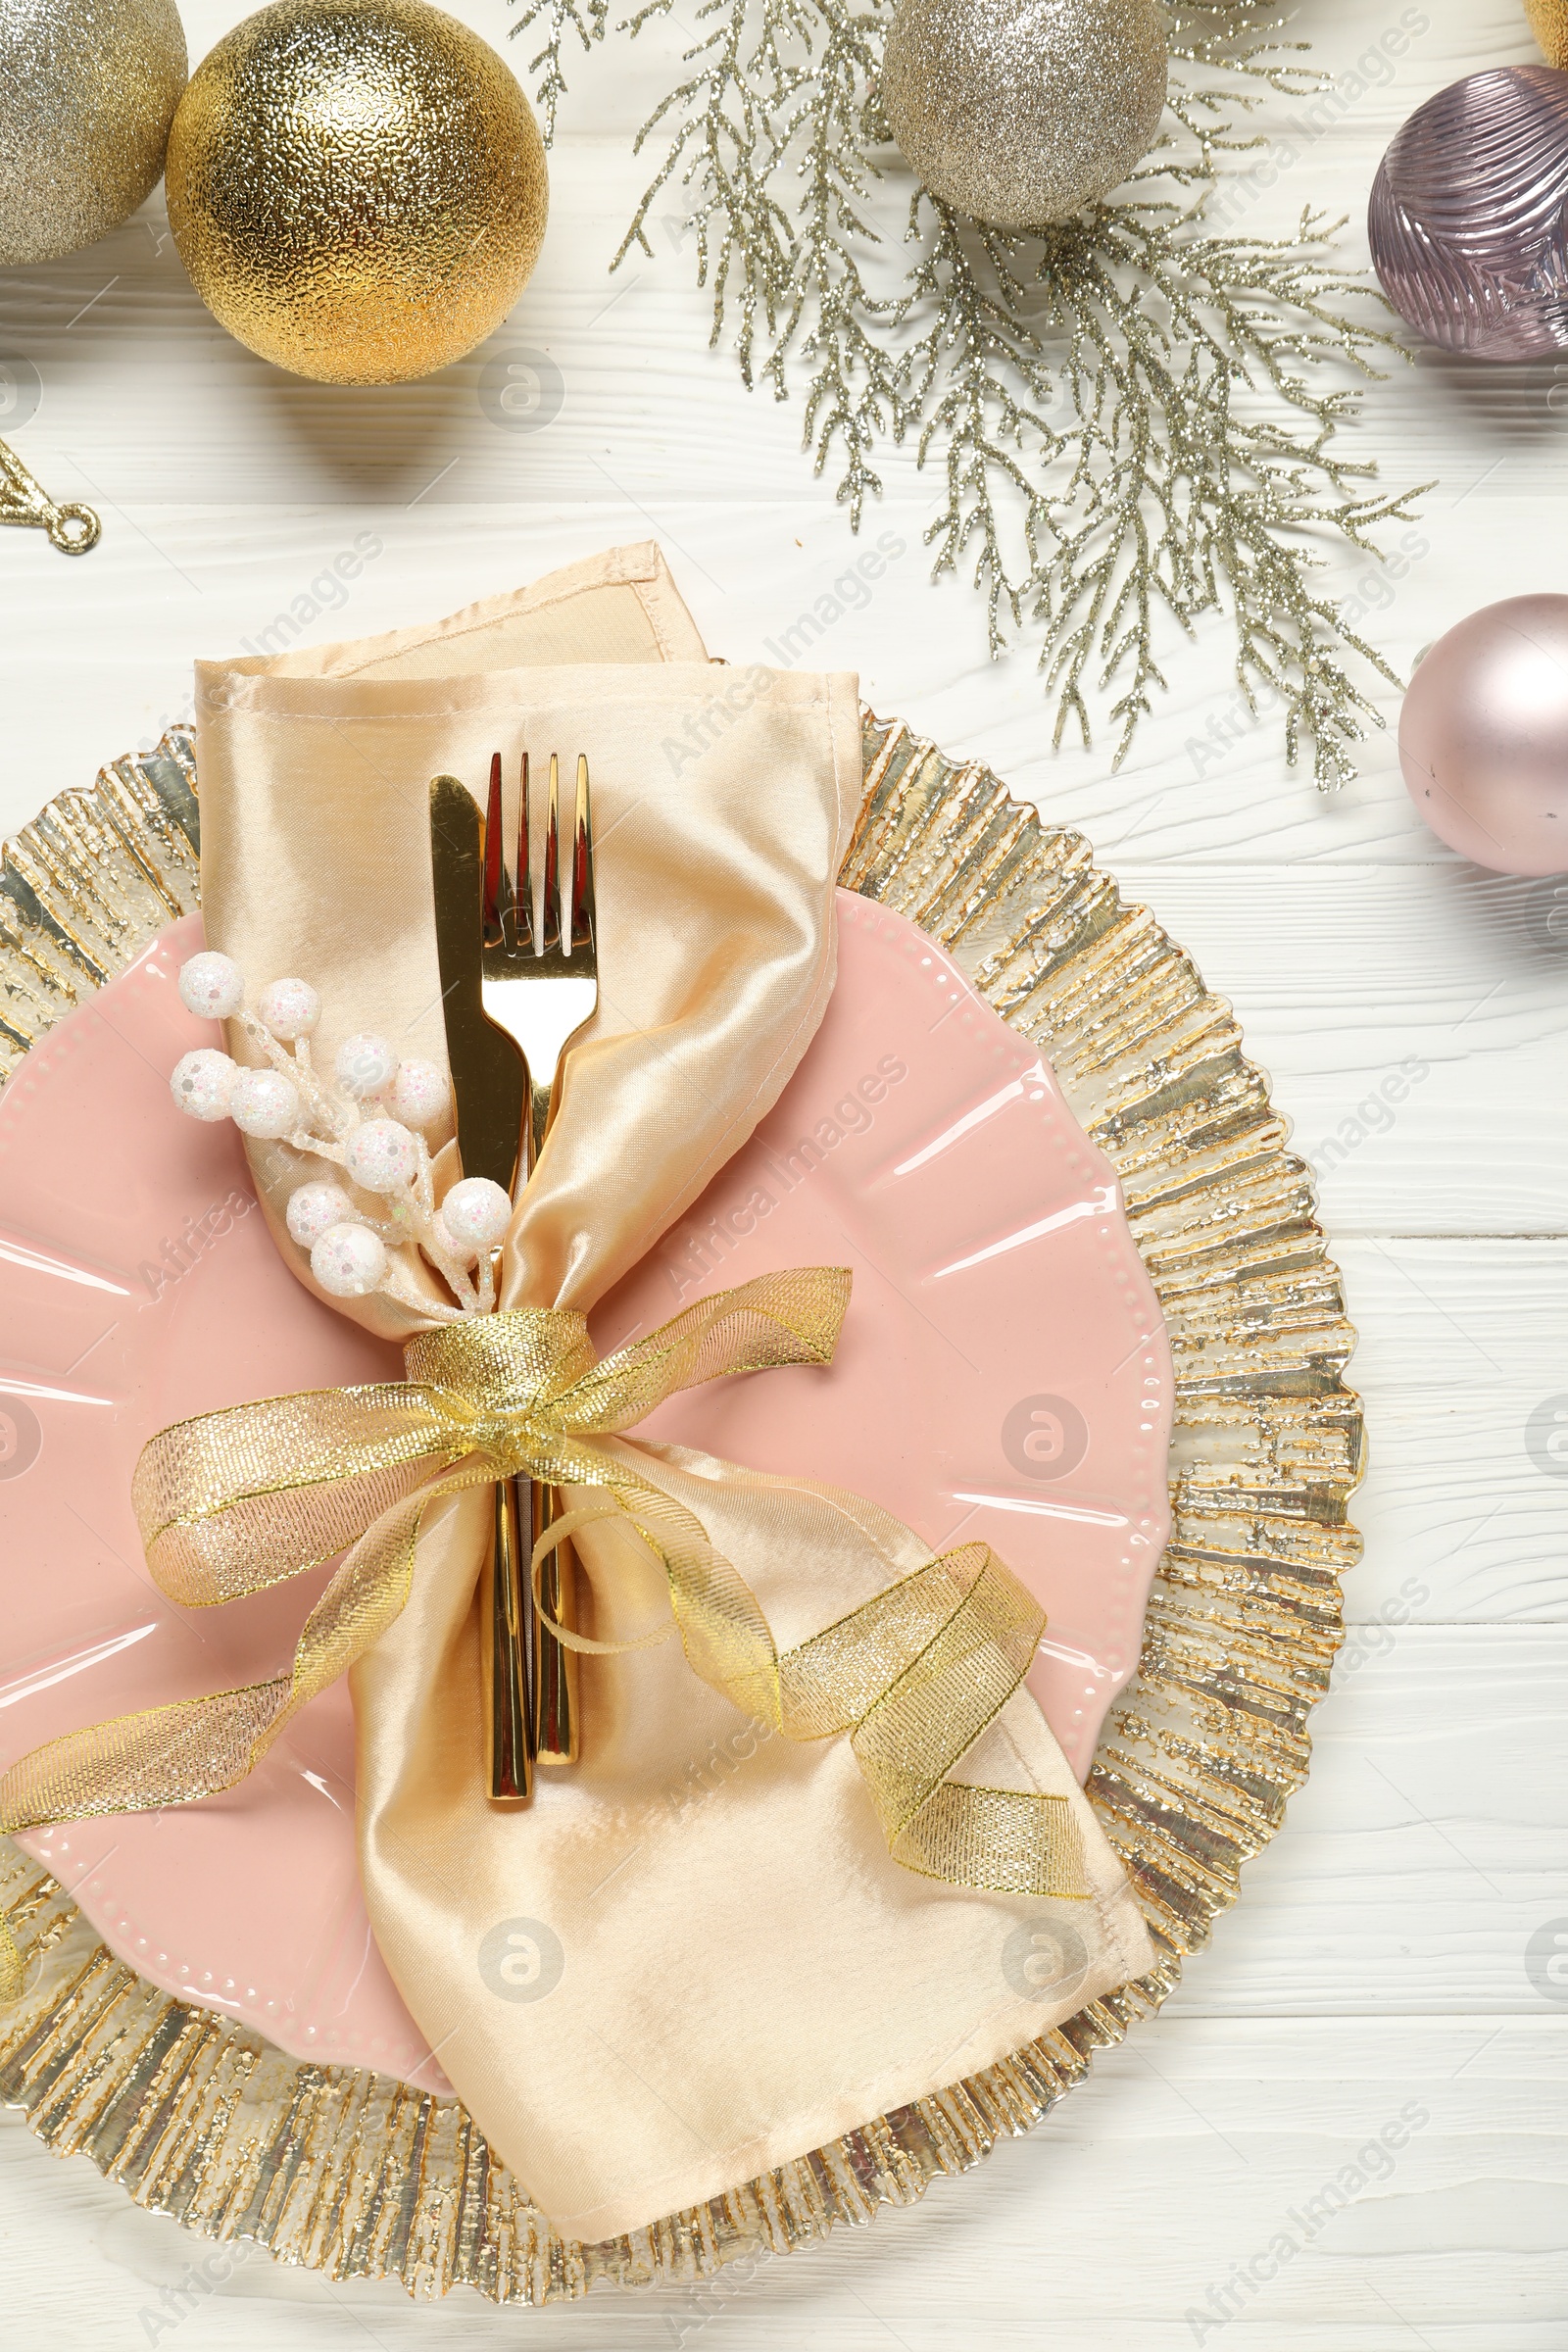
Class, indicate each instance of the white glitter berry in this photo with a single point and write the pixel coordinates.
(476, 1212)
(314, 1209)
(348, 1260)
(365, 1065)
(202, 1083)
(264, 1103)
(381, 1155)
(418, 1092)
(212, 986)
(290, 1008)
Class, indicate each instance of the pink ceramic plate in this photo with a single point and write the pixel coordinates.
(1003, 1374)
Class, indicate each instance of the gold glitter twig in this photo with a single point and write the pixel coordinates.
(562, 17)
(1132, 416)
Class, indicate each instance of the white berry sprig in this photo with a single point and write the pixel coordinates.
(369, 1122)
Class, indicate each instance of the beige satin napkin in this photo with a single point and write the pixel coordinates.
(693, 1957)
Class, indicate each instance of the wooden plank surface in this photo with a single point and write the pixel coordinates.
(1409, 1010)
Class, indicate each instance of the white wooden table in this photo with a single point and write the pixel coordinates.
(1378, 1958)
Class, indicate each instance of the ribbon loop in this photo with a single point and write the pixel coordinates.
(233, 1501)
(236, 1500)
(560, 1531)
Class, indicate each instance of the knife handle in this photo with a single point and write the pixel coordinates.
(507, 1613)
(557, 1716)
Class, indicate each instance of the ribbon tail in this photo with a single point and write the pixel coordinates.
(196, 1747)
(760, 1326)
(916, 1675)
(135, 1763)
(1005, 1840)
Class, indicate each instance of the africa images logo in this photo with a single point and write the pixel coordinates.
(21, 1438)
(521, 391)
(1547, 1437)
(1044, 1960)
(521, 1960)
(1045, 1437)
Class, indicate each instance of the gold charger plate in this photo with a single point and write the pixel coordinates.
(355, 2175)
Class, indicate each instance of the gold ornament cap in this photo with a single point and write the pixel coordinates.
(357, 187)
(1021, 112)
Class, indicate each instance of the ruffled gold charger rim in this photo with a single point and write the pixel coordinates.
(355, 2175)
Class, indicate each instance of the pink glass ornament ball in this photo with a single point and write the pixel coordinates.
(1484, 736)
(1468, 220)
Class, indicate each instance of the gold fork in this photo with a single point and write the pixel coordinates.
(540, 984)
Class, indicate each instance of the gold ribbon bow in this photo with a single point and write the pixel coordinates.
(234, 1501)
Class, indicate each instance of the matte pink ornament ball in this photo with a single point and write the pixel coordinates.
(1484, 736)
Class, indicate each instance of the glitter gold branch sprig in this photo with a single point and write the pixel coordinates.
(1240, 44)
(1140, 468)
(1132, 418)
(561, 19)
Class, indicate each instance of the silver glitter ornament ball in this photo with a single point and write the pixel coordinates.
(87, 92)
(1020, 111)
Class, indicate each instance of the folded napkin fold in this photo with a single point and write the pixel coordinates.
(644, 1999)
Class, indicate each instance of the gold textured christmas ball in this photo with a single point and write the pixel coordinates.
(1018, 112)
(1548, 22)
(87, 92)
(357, 187)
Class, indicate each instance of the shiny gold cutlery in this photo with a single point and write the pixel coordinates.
(540, 984)
(490, 1085)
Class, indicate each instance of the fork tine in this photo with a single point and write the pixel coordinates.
(495, 869)
(551, 911)
(525, 886)
(582, 868)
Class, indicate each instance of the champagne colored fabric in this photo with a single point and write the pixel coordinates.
(692, 1958)
(621, 606)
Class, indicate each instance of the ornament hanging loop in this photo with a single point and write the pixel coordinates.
(71, 529)
(74, 530)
